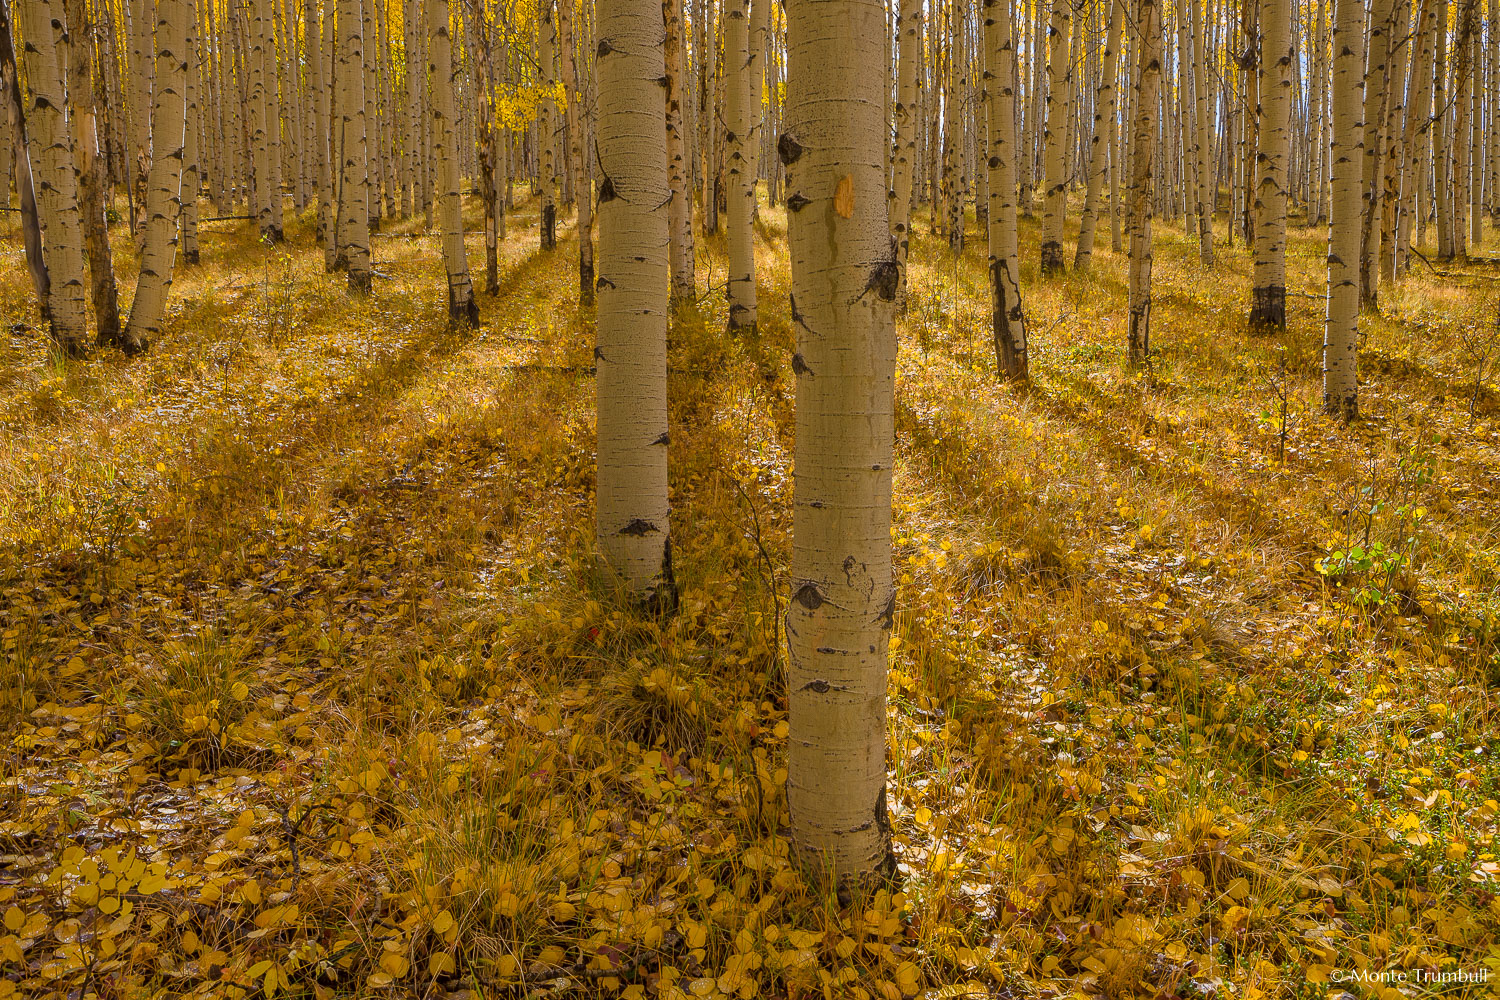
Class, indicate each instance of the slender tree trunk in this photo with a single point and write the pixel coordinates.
(742, 143)
(547, 123)
(1341, 331)
(904, 155)
(164, 185)
(1207, 197)
(462, 309)
(1377, 89)
(632, 525)
(1007, 315)
(680, 199)
(1143, 166)
(844, 279)
(15, 115)
(52, 169)
(582, 182)
(1104, 124)
(91, 182)
(353, 251)
(192, 149)
(1268, 291)
(1060, 80)
(139, 15)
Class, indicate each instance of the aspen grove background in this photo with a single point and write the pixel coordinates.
(727, 498)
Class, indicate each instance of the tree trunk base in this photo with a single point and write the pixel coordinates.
(1052, 258)
(549, 227)
(360, 282)
(1268, 309)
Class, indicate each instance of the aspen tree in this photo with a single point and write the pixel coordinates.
(547, 123)
(15, 116)
(462, 309)
(844, 280)
(1207, 196)
(632, 525)
(92, 191)
(1142, 174)
(1268, 290)
(904, 152)
(742, 144)
(138, 19)
(582, 177)
(1466, 27)
(1377, 91)
(164, 184)
(679, 203)
(52, 171)
(478, 33)
(1442, 162)
(1418, 111)
(1341, 329)
(192, 146)
(353, 234)
(1007, 317)
(1378, 252)
(1104, 117)
(1060, 79)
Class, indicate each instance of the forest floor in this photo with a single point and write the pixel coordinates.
(310, 686)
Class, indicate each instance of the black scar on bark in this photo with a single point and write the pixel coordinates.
(663, 438)
(820, 686)
(887, 617)
(728, 136)
(640, 526)
(605, 48)
(884, 279)
(664, 598)
(799, 366)
(796, 315)
(797, 203)
(601, 282)
(994, 163)
(606, 190)
(807, 595)
(788, 148)
(598, 354)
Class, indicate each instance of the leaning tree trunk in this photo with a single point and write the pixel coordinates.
(353, 230)
(844, 279)
(1104, 125)
(15, 135)
(632, 526)
(1009, 320)
(52, 168)
(92, 184)
(1268, 289)
(462, 309)
(905, 152)
(1143, 166)
(1341, 329)
(164, 183)
(742, 143)
(1060, 82)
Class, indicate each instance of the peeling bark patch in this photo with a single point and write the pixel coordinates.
(640, 526)
(788, 148)
(807, 595)
(800, 366)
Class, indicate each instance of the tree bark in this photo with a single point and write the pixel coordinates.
(1104, 118)
(462, 309)
(1341, 330)
(1143, 166)
(353, 248)
(1007, 316)
(15, 115)
(1060, 80)
(904, 155)
(742, 144)
(844, 279)
(1268, 291)
(632, 524)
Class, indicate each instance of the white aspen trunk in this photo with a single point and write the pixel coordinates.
(138, 15)
(1377, 89)
(1380, 259)
(1104, 127)
(741, 144)
(477, 31)
(844, 279)
(192, 148)
(15, 117)
(462, 309)
(1442, 163)
(1203, 140)
(353, 250)
(577, 161)
(1268, 288)
(1418, 111)
(632, 524)
(904, 154)
(680, 198)
(164, 185)
(1341, 329)
(92, 185)
(547, 123)
(1143, 164)
(1463, 98)
(1060, 78)
(1318, 94)
(52, 172)
(1008, 319)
